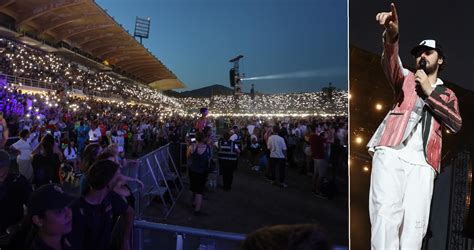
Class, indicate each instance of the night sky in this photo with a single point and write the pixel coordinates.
(196, 39)
(449, 22)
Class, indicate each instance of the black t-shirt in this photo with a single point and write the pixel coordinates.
(39, 244)
(93, 224)
(14, 193)
(45, 169)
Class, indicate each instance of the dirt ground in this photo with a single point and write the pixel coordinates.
(254, 203)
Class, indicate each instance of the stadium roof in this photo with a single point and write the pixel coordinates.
(84, 26)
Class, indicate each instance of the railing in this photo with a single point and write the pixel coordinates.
(11, 79)
(160, 177)
(149, 235)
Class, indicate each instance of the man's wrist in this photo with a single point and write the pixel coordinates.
(391, 38)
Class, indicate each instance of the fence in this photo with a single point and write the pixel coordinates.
(149, 235)
(159, 174)
(10, 79)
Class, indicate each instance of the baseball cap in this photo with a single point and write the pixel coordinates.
(428, 44)
(4, 159)
(48, 197)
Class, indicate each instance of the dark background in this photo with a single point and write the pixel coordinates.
(449, 22)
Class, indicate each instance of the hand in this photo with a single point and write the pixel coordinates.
(390, 21)
(422, 78)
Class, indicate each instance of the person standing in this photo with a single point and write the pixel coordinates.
(14, 193)
(3, 131)
(406, 147)
(199, 153)
(277, 147)
(46, 164)
(317, 143)
(227, 154)
(24, 150)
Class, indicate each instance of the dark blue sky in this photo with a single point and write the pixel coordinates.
(196, 38)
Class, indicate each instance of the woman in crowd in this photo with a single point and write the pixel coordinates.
(46, 163)
(70, 153)
(47, 223)
(199, 153)
(88, 158)
(24, 150)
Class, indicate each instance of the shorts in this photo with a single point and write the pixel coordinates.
(197, 182)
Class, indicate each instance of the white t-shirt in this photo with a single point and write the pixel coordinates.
(234, 137)
(120, 141)
(24, 147)
(70, 155)
(276, 145)
(33, 139)
(411, 149)
(94, 135)
(57, 136)
(250, 128)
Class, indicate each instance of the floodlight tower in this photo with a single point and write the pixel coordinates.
(235, 75)
(142, 28)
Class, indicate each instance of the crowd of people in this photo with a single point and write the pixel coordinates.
(292, 103)
(23, 61)
(69, 148)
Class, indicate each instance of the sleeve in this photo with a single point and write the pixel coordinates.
(283, 144)
(15, 145)
(444, 104)
(392, 65)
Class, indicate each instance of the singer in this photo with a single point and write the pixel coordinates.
(406, 147)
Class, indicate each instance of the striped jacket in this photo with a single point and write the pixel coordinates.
(437, 110)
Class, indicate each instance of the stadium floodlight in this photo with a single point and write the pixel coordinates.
(142, 28)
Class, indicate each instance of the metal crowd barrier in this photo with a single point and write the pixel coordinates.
(160, 177)
(149, 235)
(156, 236)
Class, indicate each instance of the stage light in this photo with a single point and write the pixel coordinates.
(378, 106)
(358, 139)
(366, 169)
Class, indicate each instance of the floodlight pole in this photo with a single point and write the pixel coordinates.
(237, 82)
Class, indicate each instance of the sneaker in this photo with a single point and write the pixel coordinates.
(283, 185)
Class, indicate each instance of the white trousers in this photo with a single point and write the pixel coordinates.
(399, 202)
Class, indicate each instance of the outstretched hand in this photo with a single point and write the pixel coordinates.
(390, 22)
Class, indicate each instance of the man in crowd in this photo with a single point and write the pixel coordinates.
(14, 193)
(277, 147)
(95, 213)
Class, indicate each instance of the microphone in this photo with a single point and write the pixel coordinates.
(422, 66)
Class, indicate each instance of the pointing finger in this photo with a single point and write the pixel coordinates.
(394, 12)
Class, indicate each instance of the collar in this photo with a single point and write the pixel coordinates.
(438, 82)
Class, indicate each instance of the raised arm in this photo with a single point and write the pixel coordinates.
(391, 62)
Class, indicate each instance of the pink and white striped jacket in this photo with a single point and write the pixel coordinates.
(436, 110)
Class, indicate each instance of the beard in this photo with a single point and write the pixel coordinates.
(430, 69)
